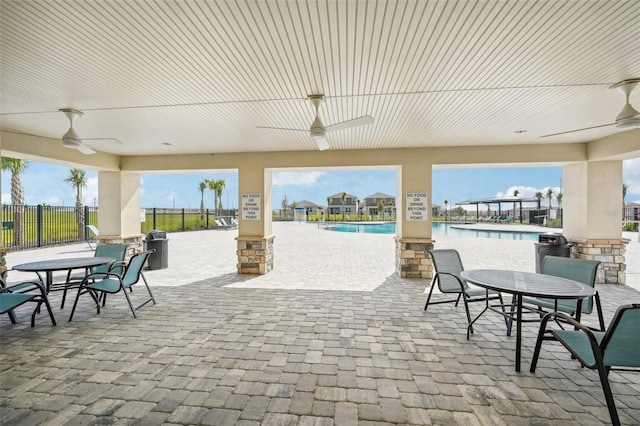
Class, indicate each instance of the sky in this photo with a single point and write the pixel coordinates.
(44, 183)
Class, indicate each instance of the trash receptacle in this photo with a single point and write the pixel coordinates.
(551, 245)
(157, 240)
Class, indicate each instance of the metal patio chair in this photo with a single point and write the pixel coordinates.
(116, 251)
(617, 348)
(99, 285)
(581, 270)
(13, 296)
(448, 266)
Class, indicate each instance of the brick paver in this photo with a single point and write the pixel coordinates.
(331, 337)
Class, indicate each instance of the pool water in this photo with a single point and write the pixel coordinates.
(438, 229)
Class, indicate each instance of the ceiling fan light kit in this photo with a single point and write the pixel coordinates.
(629, 117)
(71, 138)
(318, 131)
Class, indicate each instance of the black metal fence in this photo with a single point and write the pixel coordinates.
(42, 225)
(25, 227)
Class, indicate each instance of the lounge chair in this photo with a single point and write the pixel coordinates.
(448, 265)
(91, 236)
(220, 225)
(13, 296)
(581, 270)
(224, 222)
(100, 284)
(613, 349)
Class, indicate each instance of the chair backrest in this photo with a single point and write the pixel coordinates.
(134, 268)
(621, 342)
(448, 260)
(117, 251)
(581, 270)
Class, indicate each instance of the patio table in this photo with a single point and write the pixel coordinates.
(67, 264)
(521, 284)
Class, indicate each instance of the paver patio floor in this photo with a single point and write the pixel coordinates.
(332, 336)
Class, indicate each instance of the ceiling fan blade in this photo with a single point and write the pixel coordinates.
(84, 149)
(281, 128)
(577, 130)
(360, 121)
(112, 141)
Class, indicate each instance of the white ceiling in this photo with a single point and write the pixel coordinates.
(201, 75)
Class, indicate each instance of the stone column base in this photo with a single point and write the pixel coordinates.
(609, 252)
(412, 258)
(255, 255)
(3, 262)
(134, 241)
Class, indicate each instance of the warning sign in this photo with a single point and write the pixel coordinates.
(416, 203)
(251, 206)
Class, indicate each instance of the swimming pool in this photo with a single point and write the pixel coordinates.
(438, 229)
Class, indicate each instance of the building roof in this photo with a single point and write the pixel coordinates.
(380, 195)
(497, 200)
(170, 78)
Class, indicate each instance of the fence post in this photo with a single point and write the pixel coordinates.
(39, 223)
(154, 219)
(183, 219)
(207, 213)
(86, 222)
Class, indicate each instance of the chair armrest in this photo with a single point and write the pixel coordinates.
(99, 275)
(593, 341)
(451, 275)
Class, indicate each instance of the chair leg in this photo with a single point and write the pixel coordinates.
(510, 319)
(64, 297)
(433, 282)
(149, 289)
(608, 395)
(133, 311)
(599, 310)
(466, 308)
(536, 351)
(458, 299)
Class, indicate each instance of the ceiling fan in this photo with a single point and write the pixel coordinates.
(318, 131)
(629, 117)
(71, 138)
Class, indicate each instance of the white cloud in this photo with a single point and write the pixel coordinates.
(296, 178)
(631, 176)
(527, 192)
(90, 193)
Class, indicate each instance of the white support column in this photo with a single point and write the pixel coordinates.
(413, 237)
(255, 239)
(592, 216)
(119, 207)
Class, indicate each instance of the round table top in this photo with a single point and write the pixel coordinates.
(63, 264)
(528, 283)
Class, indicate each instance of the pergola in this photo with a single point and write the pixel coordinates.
(217, 85)
(499, 201)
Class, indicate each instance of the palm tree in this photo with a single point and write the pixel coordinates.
(559, 198)
(284, 205)
(343, 198)
(78, 179)
(446, 202)
(328, 207)
(515, 195)
(217, 186)
(538, 197)
(380, 209)
(549, 196)
(16, 166)
(202, 186)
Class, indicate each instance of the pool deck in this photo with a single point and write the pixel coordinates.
(332, 336)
